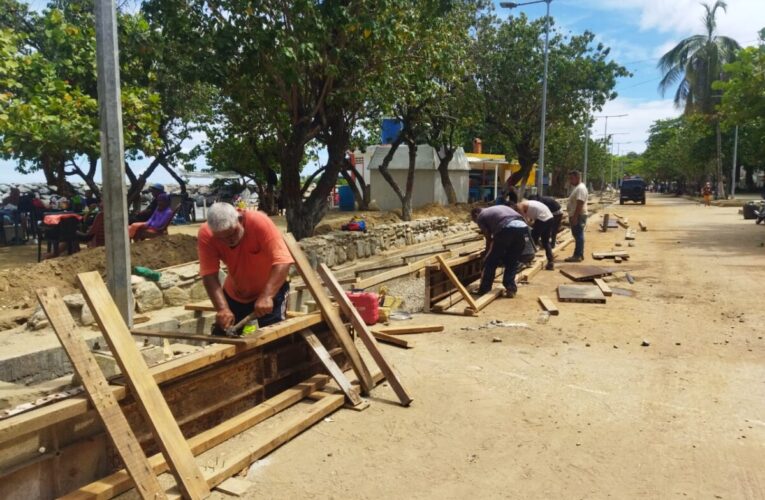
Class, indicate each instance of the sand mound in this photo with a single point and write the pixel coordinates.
(17, 285)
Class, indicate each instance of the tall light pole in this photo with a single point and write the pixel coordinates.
(541, 162)
(611, 152)
(586, 148)
(733, 171)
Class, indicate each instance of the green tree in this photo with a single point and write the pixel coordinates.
(510, 65)
(743, 105)
(693, 65)
(48, 111)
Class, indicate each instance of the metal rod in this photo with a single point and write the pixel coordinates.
(540, 180)
(733, 170)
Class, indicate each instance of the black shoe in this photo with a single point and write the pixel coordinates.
(510, 293)
(574, 258)
(550, 266)
(481, 292)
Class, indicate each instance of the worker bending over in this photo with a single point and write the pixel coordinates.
(505, 232)
(537, 213)
(258, 261)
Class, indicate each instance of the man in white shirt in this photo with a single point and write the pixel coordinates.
(537, 213)
(577, 214)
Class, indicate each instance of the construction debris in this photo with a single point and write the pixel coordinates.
(581, 293)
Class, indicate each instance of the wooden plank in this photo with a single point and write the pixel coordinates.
(234, 486)
(390, 339)
(630, 234)
(189, 336)
(143, 387)
(100, 395)
(267, 442)
(642, 225)
(584, 273)
(618, 259)
(119, 482)
(363, 332)
(548, 305)
(483, 301)
(610, 255)
(456, 282)
(330, 313)
(406, 330)
(604, 226)
(335, 372)
(202, 305)
(604, 287)
(624, 222)
(581, 293)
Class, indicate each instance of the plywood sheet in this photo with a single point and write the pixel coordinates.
(581, 293)
(584, 273)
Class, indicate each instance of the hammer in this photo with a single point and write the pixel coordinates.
(231, 331)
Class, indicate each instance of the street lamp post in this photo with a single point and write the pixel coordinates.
(541, 162)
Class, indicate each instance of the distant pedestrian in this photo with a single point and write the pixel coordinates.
(706, 192)
(577, 214)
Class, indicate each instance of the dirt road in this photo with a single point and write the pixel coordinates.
(576, 407)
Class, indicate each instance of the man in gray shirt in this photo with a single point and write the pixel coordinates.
(505, 232)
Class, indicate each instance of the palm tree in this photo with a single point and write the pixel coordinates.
(695, 63)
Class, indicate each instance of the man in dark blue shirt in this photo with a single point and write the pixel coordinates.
(505, 232)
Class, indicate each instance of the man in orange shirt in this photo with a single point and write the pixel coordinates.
(258, 261)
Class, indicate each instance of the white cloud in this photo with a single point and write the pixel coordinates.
(632, 130)
(742, 21)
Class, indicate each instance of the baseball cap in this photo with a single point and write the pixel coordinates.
(159, 187)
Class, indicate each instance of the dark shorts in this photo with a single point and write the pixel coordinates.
(242, 309)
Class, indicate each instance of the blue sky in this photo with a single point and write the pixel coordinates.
(638, 32)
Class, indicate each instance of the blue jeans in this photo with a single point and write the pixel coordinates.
(577, 230)
(506, 248)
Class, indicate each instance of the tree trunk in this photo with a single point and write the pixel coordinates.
(443, 171)
(406, 203)
(384, 168)
(361, 190)
(749, 178)
(175, 176)
(55, 175)
(720, 177)
(137, 183)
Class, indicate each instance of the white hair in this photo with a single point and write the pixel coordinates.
(221, 216)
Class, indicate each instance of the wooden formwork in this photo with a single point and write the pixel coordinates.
(55, 449)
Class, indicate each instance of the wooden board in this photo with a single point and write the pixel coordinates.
(100, 395)
(624, 222)
(390, 339)
(630, 234)
(548, 305)
(330, 313)
(581, 293)
(337, 374)
(119, 482)
(363, 332)
(143, 387)
(604, 226)
(406, 330)
(456, 282)
(603, 287)
(642, 225)
(610, 255)
(234, 486)
(202, 305)
(584, 273)
(188, 336)
(266, 442)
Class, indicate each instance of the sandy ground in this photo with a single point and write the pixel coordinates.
(576, 407)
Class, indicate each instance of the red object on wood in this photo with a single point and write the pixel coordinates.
(54, 219)
(366, 303)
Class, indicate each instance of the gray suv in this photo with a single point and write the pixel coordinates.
(632, 190)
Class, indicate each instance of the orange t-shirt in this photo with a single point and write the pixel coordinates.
(249, 263)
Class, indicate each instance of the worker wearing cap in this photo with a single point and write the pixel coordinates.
(155, 189)
(257, 261)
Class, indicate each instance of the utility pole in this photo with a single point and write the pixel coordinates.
(113, 159)
(733, 170)
(586, 147)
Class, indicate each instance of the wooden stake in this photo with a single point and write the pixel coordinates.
(457, 283)
(405, 330)
(326, 358)
(366, 337)
(100, 395)
(143, 387)
(642, 225)
(390, 339)
(330, 313)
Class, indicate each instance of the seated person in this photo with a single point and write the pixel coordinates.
(94, 236)
(157, 222)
